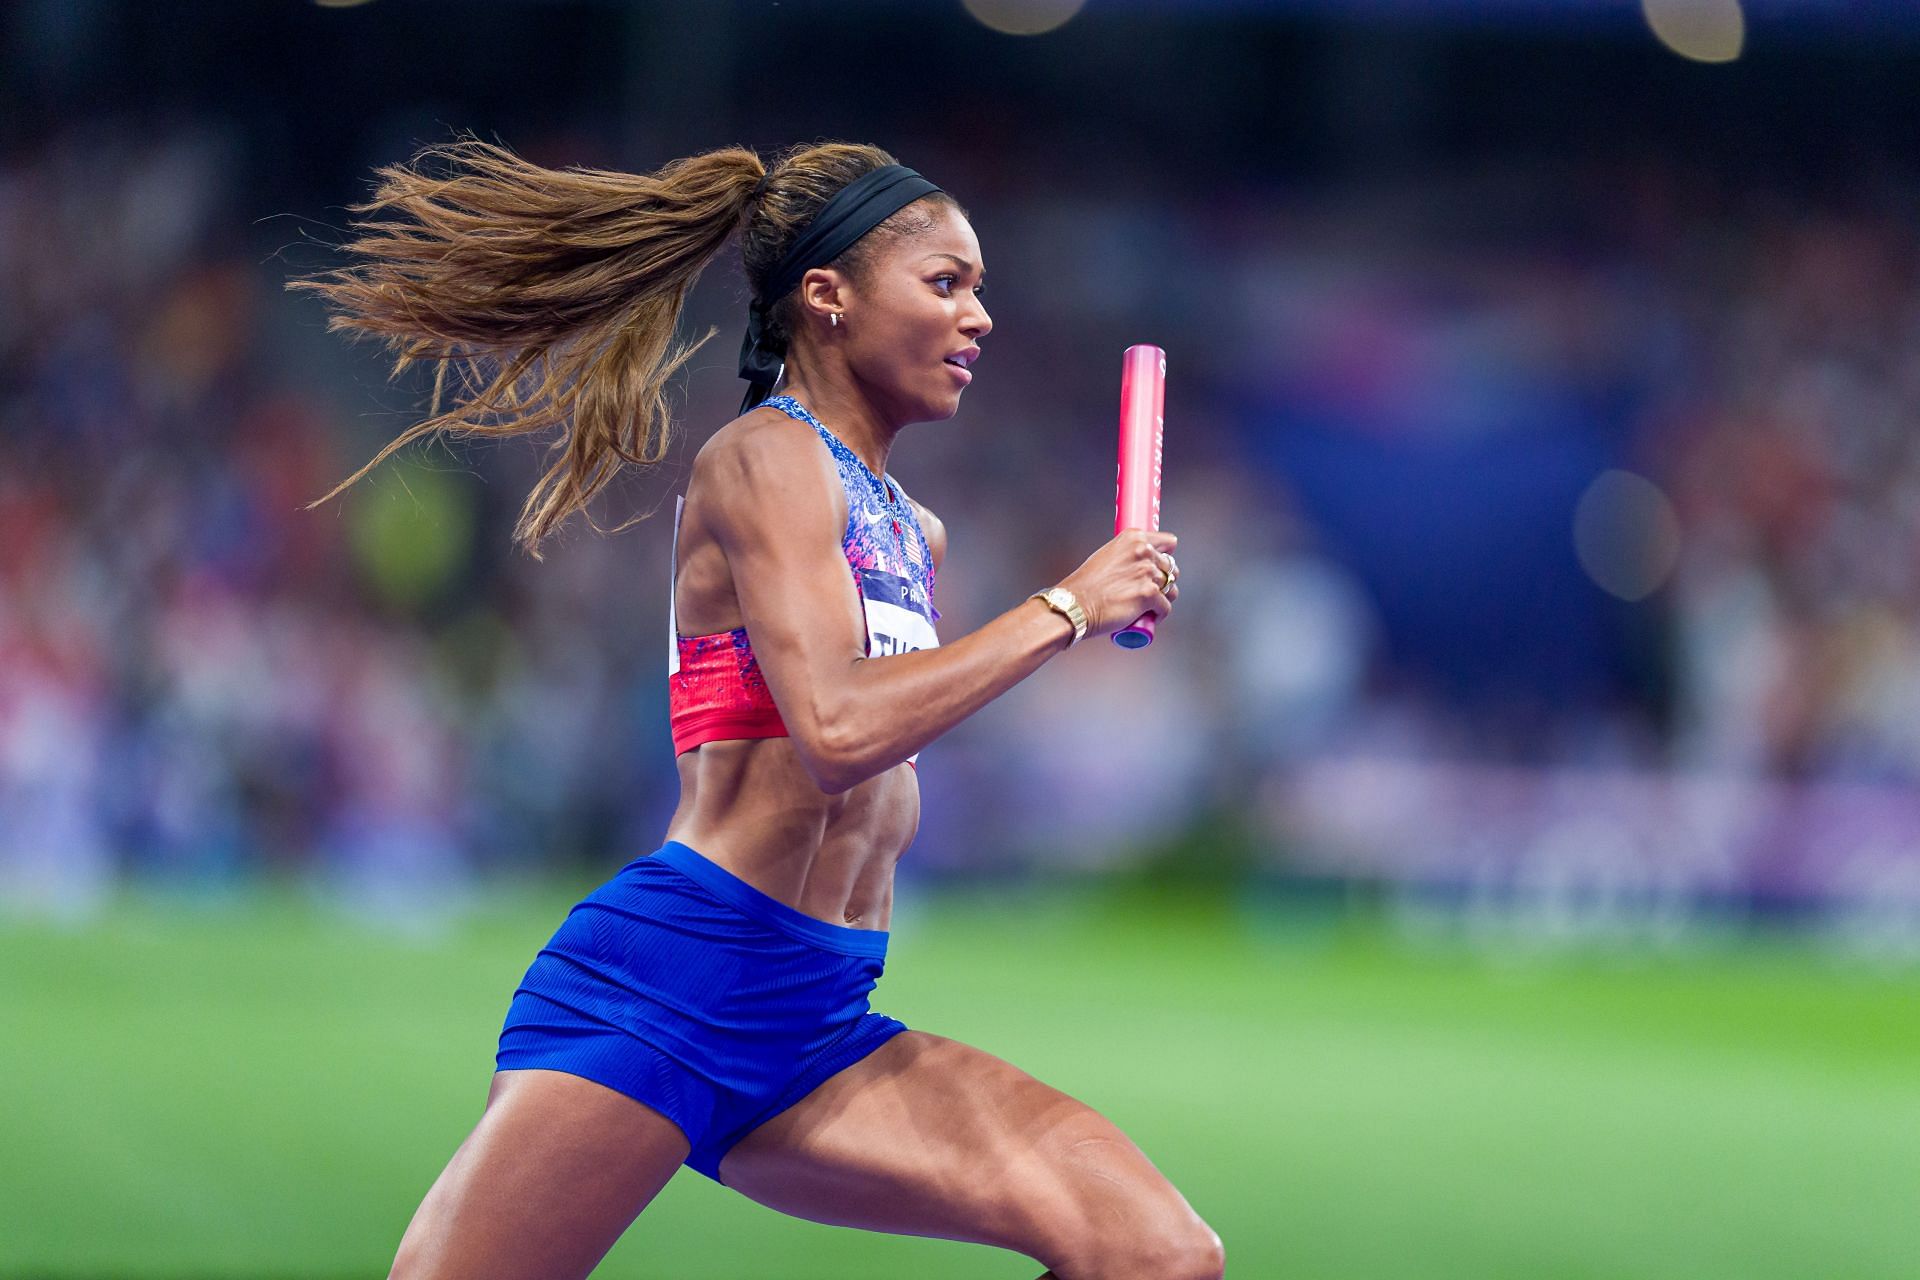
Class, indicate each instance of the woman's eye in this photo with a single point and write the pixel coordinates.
(950, 279)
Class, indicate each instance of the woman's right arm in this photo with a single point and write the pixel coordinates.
(771, 498)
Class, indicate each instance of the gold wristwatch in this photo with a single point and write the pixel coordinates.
(1062, 601)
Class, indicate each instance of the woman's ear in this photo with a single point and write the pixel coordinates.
(824, 291)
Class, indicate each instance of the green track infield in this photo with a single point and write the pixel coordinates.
(266, 1089)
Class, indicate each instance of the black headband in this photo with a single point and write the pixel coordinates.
(855, 209)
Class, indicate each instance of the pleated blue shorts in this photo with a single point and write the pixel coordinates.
(686, 988)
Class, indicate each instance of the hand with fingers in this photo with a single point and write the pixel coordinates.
(1133, 574)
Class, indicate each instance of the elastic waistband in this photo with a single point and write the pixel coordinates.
(749, 901)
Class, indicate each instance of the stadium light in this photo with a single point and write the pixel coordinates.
(1023, 17)
(1703, 30)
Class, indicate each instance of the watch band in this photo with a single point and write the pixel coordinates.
(1064, 603)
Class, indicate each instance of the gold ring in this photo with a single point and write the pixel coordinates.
(1166, 579)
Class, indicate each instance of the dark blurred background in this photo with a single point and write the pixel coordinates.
(1506, 863)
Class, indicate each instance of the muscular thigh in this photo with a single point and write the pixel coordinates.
(928, 1136)
(544, 1185)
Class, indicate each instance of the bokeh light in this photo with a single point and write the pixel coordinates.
(1024, 17)
(1626, 534)
(410, 535)
(1703, 30)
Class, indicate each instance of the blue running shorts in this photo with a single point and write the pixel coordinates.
(686, 988)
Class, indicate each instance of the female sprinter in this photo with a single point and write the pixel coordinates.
(707, 1006)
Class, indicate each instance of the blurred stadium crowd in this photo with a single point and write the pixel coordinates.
(201, 681)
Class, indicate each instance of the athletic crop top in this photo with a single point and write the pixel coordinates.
(715, 689)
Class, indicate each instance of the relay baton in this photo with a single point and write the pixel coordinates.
(1136, 497)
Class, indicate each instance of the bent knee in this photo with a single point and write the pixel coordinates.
(1192, 1253)
(1177, 1247)
(1210, 1256)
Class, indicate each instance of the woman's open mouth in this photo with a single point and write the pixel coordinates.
(959, 361)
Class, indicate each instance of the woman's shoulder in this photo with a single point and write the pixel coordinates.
(760, 439)
(760, 462)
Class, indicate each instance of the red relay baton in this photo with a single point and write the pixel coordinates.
(1136, 498)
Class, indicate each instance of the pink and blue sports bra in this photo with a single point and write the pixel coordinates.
(715, 689)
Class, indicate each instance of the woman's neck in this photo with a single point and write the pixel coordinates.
(849, 415)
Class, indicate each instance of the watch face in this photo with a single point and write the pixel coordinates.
(1061, 601)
